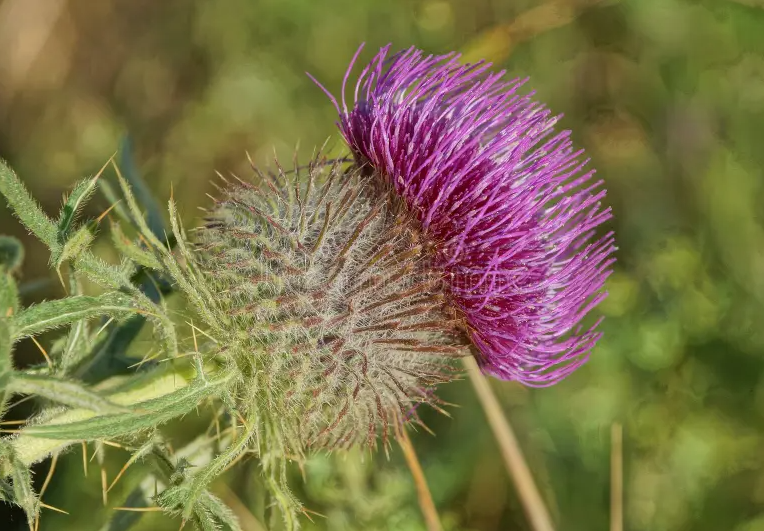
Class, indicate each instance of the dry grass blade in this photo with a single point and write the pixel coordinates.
(534, 506)
(247, 520)
(497, 44)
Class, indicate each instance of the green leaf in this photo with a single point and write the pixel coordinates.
(206, 475)
(61, 312)
(6, 361)
(132, 250)
(26, 208)
(74, 246)
(148, 414)
(138, 218)
(145, 198)
(23, 492)
(220, 512)
(11, 253)
(32, 216)
(74, 203)
(6, 490)
(102, 273)
(68, 393)
(9, 295)
(113, 198)
(124, 520)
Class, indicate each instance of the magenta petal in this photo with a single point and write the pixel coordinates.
(504, 197)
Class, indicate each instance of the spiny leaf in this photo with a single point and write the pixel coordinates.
(61, 312)
(6, 362)
(113, 198)
(132, 250)
(144, 196)
(74, 246)
(204, 478)
(68, 393)
(9, 304)
(23, 492)
(9, 295)
(138, 218)
(74, 203)
(32, 216)
(76, 345)
(219, 511)
(6, 490)
(148, 414)
(26, 208)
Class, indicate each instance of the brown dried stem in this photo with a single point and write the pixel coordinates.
(518, 470)
(426, 503)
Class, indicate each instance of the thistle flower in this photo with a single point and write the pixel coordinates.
(334, 313)
(501, 200)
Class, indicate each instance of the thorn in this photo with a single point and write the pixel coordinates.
(305, 511)
(104, 489)
(85, 457)
(46, 506)
(61, 279)
(106, 212)
(45, 484)
(139, 509)
(45, 354)
(193, 333)
(147, 357)
(119, 475)
(163, 360)
(110, 159)
(191, 324)
(20, 401)
(107, 323)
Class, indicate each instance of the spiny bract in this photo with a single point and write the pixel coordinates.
(338, 324)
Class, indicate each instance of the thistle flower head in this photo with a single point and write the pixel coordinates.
(501, 198)
(337, 322)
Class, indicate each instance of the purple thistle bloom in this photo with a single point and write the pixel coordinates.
(501, 198)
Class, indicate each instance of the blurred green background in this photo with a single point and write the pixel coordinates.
(666, 96)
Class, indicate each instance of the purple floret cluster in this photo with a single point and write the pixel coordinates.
(503, 199)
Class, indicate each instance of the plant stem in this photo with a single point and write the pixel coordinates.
(616, 477)
(518, 470)
(426, 503)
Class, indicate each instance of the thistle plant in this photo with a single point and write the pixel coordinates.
(327, 302)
